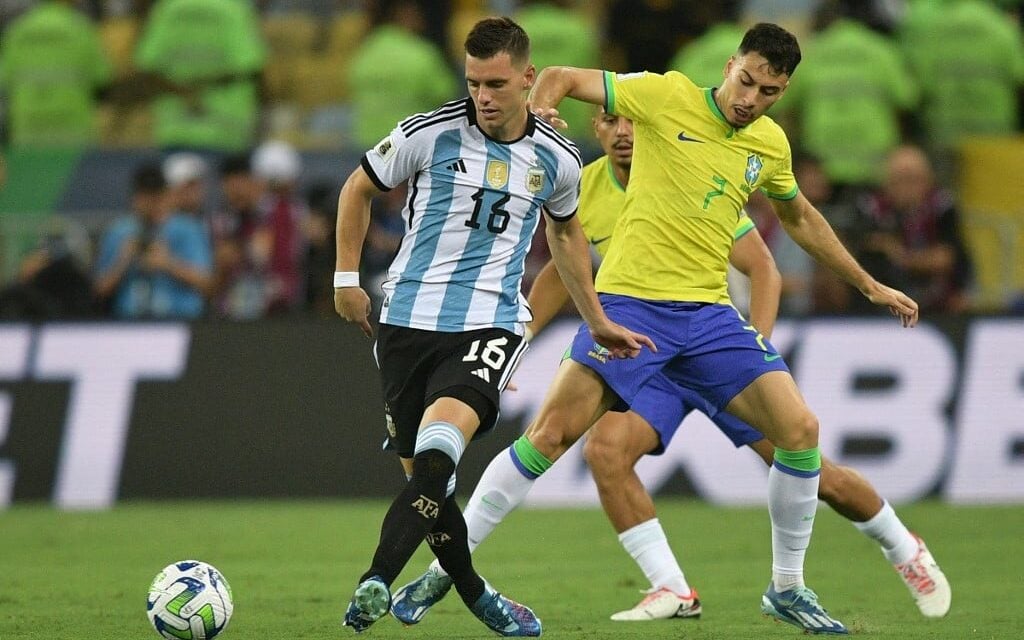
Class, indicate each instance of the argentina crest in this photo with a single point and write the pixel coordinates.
(497, 173)
(535, 179)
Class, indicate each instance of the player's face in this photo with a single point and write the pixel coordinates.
(498, 88)
(615, 134)
(750, 88)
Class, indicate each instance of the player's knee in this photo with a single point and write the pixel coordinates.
(433, 466)
(550, 440)
(802, 433)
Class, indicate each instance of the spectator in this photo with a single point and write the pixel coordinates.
(418, 76)
(154, 263)
(854, 87)
(970, 59)
(52, 68)
(323, 213)
(286, 216)
(911, 234)
(241, 243)
(185, 173)
(207, 55)
(561, 36)
(643, 36)
(53, 280)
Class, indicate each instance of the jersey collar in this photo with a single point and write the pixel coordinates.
(611, 174)
(709, 97)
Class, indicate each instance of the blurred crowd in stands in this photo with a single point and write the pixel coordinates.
(231, 95)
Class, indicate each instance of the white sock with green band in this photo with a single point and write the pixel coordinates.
(897, 543)
(792, 503)
(503, 485)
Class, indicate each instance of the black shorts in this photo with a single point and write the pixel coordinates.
(417, 367)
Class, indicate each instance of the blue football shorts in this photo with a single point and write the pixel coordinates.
(664, 405)
(707, 354)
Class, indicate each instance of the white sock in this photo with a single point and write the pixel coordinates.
(500, 490)
(898, 544)
(792, 503)
(648, 546)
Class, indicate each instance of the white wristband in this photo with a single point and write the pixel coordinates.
(527, 335)
(346, 279)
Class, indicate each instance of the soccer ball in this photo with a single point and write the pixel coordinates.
(189, 600)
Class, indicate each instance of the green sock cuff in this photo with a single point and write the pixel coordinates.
(534, 461)
(803, 460)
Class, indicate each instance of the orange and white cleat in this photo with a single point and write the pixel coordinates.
(927, 584)
(662, 604)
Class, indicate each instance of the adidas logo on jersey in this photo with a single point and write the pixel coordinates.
(483, 374)
(459, 166)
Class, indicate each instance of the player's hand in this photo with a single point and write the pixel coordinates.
(353, 305)
(620, 341)
(549, 115)
(900, 304)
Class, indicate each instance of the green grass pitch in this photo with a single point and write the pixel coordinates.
(293, 565)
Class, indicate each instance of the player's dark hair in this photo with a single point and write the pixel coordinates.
(491, 36)
(149, 178)
(239, 163)
(778, 46)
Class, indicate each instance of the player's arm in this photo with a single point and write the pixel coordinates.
(810, 230)
(547, 296)
(555, 83)
(753, 259)
(571, 255)
(351, 302)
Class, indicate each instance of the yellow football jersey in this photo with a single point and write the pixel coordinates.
(602, 197)
(692, 174)
(601, 201)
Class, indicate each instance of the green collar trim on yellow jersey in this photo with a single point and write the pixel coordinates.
(611, 174)
(710, 98)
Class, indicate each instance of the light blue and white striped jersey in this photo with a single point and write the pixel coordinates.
(474, 204)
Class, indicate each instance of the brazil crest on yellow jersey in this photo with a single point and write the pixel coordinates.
(692, 173)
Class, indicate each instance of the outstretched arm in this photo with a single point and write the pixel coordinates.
(810, 230)
(555, 83)
(351, 302)
(751, 256)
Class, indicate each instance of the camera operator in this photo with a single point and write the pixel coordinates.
(155, 263)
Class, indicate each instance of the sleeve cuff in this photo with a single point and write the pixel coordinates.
(783, 196)
(560, 218)
(365, 163)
